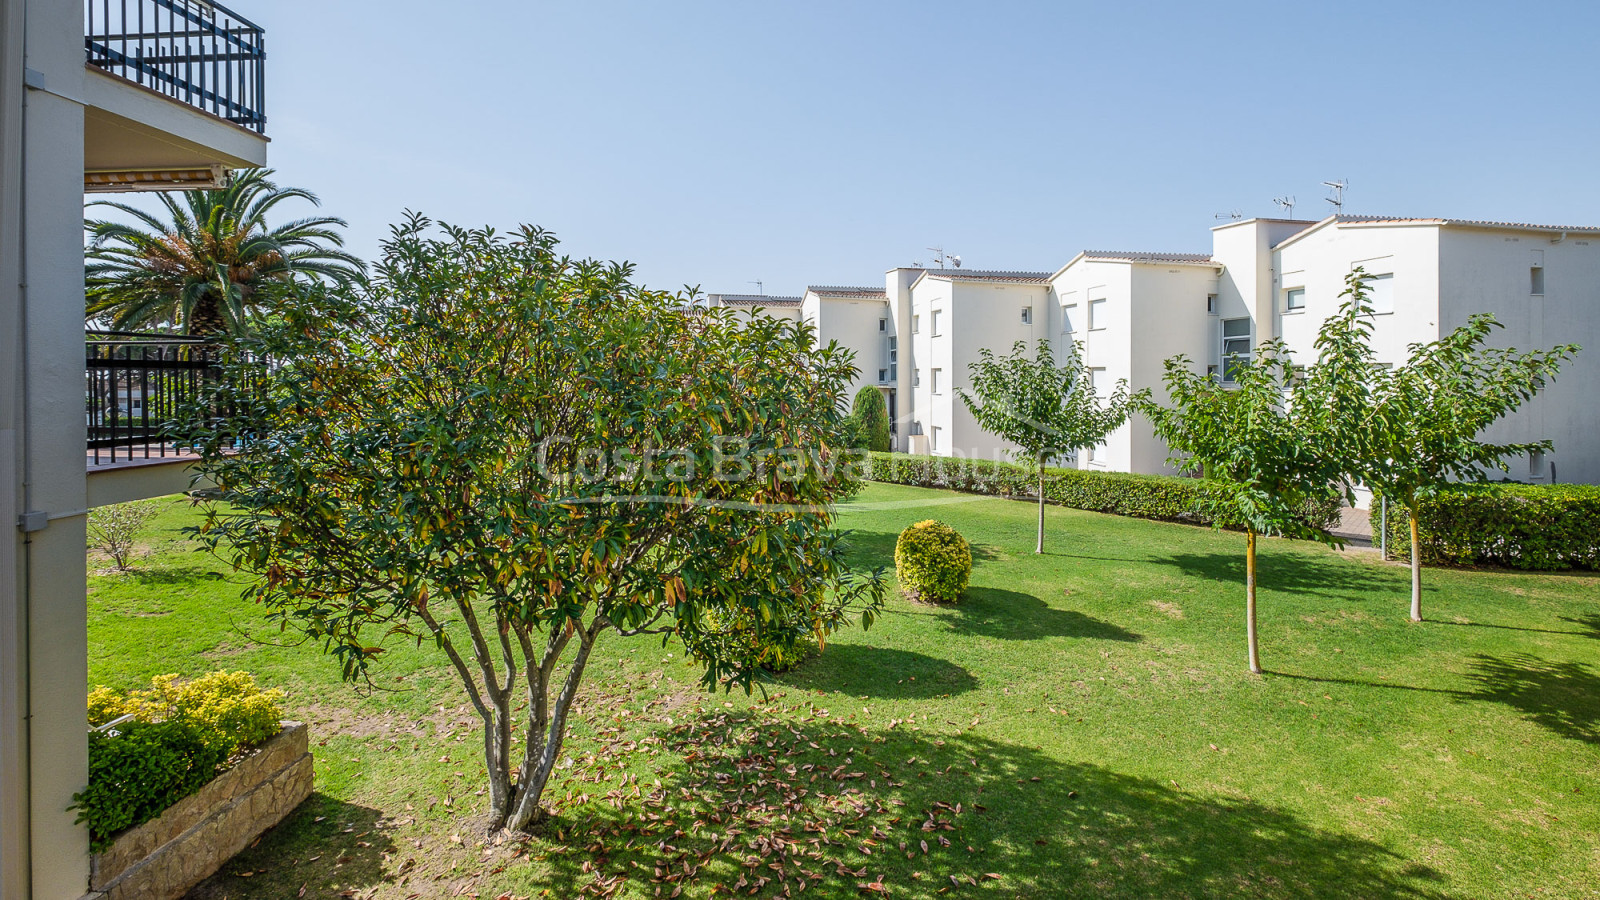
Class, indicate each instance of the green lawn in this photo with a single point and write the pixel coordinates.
(1083, 725)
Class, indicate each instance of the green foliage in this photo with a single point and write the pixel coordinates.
(1536, 527)
(506, 453)
(1407, 431)
(229, 711)
(1194, 501)
(1045, 409)
(933, 562)
(207, 268)
(869, 420)
(113, 529)
(139, 771)
(1257, 445)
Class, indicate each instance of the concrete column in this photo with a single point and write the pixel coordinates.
(14, 869)
(53, 441)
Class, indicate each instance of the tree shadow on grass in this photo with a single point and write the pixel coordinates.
(348, 841)
(1563, 697)
(163, 576)
(880, 672)
(1014, 616)
(1589, 622)
(1299, 575)
(759, 800)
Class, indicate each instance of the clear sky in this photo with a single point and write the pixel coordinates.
(824, 142)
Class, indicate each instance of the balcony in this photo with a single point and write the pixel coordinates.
(135, 387)
(176, 94)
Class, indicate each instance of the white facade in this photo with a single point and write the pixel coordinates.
(786, 308)
(64, 125)
(1265, 278)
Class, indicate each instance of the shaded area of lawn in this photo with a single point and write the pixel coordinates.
(1456, 758)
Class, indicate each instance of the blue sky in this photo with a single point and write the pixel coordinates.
(823, 142)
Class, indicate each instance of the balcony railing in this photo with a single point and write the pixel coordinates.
(196, 52)
(136, 385)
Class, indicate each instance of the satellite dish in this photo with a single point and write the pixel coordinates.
(956, 261)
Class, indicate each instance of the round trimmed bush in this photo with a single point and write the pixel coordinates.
(933, 562)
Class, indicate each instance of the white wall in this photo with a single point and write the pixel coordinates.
(1488, 271)
(1169, 318)
(853, 323)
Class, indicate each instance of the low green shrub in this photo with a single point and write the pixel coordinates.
(933, 562)
(1163, 497)
(139, 771)
(182, 733)
(1517, 526)
(769, 649)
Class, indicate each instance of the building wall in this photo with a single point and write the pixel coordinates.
(897, 290)
(1169, 318)
(1489, 271)
(1105, 346)
(1320, 262)
(853, 323)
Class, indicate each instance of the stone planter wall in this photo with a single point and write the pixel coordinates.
(163, 858)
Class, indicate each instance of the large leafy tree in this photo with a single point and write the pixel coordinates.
(507, 454)
(1045, 409)
(1256, 445)
(869, 420)
(208, 266)
(1409, 430)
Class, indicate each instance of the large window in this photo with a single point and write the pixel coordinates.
(1235, 345)
(1097, 315)
(1380, 293)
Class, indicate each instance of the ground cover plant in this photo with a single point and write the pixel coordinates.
(1079, 721)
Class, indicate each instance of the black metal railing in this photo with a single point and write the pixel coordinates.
(136, 385)
(200, 53)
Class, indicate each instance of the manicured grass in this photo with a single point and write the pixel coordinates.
(1089, 710)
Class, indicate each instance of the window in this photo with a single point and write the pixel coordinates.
(1380, 293)
(883, 376)
(1098, 382)
(1294, 299)
(894, 351)
(1211, 304)
(916, 324)
(883, 324)
(1097, 315)
(1235, 345)
(1027, 315)
(934, 384)
(1536, 280)
(933, 439)
(936, 323)
(1069, 318)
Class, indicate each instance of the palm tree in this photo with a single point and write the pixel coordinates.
(205, 270)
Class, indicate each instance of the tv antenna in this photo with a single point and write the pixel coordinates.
(1231, 214)
(1287, 203)
(760, 288)
(1338, 194)
(939, 257)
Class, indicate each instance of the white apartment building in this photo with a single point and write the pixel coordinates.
(787, 308)
(1265, 278)
(86, 104)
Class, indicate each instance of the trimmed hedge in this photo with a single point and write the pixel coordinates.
(1164, 497)
(1516, 526)
(933, 562)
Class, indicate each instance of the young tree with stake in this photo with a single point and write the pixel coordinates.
(507, 453)
(1045, 409)
(1408, 431)
(1253, 445)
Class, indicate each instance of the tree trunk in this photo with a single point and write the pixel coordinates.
(205, 319)
(1416, 566)
(1040, 547)
(543, 748)
(1250, 600)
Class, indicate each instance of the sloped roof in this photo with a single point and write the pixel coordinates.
(1469, 223)
(835, 290)
(752, 300)
(1190, 259)
(993, 275)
